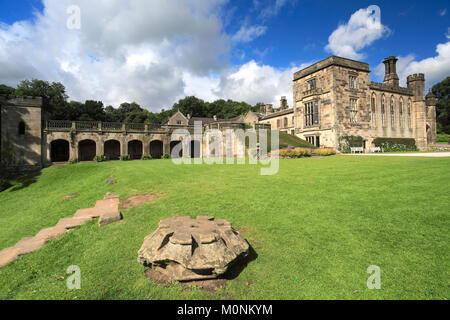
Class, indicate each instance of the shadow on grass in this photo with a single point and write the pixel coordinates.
(239, 265)
(23, 181)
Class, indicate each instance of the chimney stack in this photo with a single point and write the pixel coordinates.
(283, 103)
(391, 77)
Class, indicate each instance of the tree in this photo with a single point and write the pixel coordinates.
(6, 90)
(442, 92)
(54, 97)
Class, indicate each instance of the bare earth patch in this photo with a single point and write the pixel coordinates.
(136, 201)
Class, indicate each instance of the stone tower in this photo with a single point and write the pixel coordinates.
(391, 78)
(416, 82)
(21, 133)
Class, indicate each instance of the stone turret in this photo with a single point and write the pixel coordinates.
(391, 78)
(283, 103)
(430, 99)
(416, 82)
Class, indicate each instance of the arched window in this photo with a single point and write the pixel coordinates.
(21, 128)
(373, 113)
(400, 112)
(392, 112)
(383, 111)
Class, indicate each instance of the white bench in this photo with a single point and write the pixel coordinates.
(357, 150)
(375, 149)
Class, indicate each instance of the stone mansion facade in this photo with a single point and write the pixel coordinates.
(335, 98)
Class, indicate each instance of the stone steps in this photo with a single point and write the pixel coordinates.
(107, 210)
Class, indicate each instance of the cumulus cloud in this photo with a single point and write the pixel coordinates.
(435, 68)
(363, 28)
(124, 51)
(248, 34)
(252, 82)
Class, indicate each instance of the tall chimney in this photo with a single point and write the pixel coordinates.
(391, 77)
(283, 103)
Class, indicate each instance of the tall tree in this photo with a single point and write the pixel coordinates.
(54, 97)
(442, 92)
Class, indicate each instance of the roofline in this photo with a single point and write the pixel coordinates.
(331, 61)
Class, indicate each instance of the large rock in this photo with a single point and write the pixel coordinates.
(186, 249)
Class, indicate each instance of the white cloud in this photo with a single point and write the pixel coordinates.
(271, 9)
(124, 51)
(443, 12)
(435, 68)
(362, 29)
(248, 34)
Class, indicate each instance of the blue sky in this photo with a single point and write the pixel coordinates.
(155, 53)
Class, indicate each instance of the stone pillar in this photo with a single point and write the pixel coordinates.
(100, 147)
(123, 147)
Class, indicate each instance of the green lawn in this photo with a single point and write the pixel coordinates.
(316, 227)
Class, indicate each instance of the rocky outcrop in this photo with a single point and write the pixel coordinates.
(186, 249)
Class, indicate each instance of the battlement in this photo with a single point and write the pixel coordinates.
(416, 77)
(22, 102)
(389, 88)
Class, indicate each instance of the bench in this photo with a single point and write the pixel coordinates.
(375, 149)
(357, 150)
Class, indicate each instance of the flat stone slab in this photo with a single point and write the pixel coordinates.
(48, 234)
(186, 249)
(107, 209)
(30, 244)
(8, 255)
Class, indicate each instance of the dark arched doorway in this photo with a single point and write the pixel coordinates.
(156, 149)
(135, 149)
(112, 150)
(195, 149)
(429, 135)
(87, 149)
(173, 144)
(59, 151)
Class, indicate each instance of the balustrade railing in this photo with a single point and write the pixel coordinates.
(87, 125)
(59, 124)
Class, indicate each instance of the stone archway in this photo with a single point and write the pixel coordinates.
(112, 150)
(87, 149)
(135, 149)
(59, 150)
(429, 135)
(156, 149)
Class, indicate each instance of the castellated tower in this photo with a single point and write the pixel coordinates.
(416, 82)
(391, 77)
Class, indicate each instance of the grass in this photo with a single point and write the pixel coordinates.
(322, 221)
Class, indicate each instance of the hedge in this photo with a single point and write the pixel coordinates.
(347, 142)
(396, 144)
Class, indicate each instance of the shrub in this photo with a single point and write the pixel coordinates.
(100, 158)
(146, 157)
(294, 153)
(4, 184)
(323, 152)
(347, 142)
(395, 144)
(125, 157)
(166, 156)
(72, 161)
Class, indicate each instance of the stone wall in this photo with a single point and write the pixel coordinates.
(21, 133)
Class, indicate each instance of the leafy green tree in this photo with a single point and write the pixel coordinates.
(442, 92)
(6, 90)
(54, 97)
